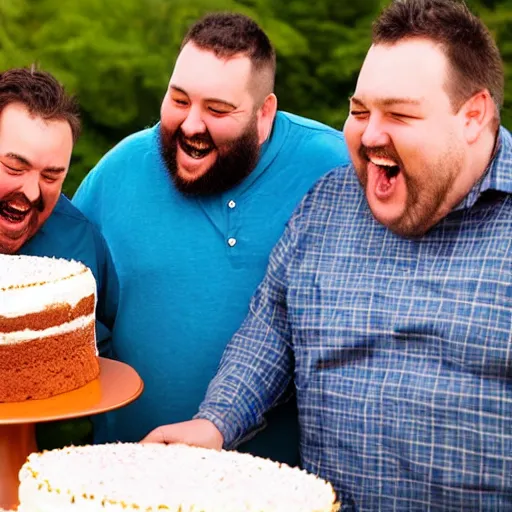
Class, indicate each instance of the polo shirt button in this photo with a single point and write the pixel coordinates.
(231, 204)
(231, 242)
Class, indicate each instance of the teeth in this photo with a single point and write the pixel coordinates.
(198, 146)
(197, 150)
(21, 208)
(18, 210)
(386, 162)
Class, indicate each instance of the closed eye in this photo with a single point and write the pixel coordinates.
(399, 115)
(217, 111)
(50, 179)
(12, 169)
(359, 113)
(181, 103)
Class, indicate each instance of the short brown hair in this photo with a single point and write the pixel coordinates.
(474, 59)
(41, 94)
(227, 34)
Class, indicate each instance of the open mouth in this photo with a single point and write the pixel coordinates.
(196, 150)
(12, 213)
(388, 166)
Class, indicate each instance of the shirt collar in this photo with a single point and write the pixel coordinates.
(497, 176)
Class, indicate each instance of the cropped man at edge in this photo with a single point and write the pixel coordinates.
(39, 125)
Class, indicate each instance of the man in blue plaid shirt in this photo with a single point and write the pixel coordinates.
(388, 299)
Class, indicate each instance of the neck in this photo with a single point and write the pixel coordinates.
(474, 166)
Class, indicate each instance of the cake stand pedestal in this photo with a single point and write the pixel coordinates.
(117, 385)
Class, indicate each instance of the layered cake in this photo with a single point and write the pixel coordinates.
(47, 327)
(174, 478)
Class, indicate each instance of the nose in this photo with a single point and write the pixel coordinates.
(30, 187)
(374, 135)
(193, 123)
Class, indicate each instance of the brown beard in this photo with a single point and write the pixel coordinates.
(237, 161)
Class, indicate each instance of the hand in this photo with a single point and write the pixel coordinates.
(198, 432)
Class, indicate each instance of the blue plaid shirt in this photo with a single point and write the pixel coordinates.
(400, 349)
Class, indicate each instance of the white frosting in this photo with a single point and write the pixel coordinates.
(28, 335)
(175, 478)
(29, 284)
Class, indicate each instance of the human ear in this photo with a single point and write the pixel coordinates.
(266, 115)
(478, 112)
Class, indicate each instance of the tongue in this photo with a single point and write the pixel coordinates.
(384, 186)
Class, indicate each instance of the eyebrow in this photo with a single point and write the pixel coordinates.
(388, 102)
(24, 161)
(209, 100)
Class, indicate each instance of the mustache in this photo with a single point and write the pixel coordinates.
(196, 138)
(380, 152)
(169, 140)
(19, 197)
(169, 137)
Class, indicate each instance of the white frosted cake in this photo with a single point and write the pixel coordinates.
(175, 478)
(47, 327)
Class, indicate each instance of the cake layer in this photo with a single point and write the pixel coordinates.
(48, 366)
(30, 284)
(28, 335)
(52, 316)
(175, 478)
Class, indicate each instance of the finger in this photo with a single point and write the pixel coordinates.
(155, 436)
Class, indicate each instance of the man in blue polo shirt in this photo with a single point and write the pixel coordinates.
(191, 209)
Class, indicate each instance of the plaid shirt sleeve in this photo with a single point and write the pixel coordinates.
(257, 365)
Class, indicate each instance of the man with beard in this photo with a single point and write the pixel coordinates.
(191, 209)
(388, 299)
(39, 125)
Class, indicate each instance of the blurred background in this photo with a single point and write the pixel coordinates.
(117, 55)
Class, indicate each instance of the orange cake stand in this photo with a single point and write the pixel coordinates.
(117, 385)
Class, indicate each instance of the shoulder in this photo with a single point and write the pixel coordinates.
(67, 233)
(338, 189)
(311, 137)
(310, 126)
(133, 147)
(121, 165)
(67, 218)
(331, 204)
(337, 182)
(69, 214)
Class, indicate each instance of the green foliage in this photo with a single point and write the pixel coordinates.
(498, 17)
(117, 56)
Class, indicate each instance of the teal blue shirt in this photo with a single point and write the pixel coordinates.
(188, 267)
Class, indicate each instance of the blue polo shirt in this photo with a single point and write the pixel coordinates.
(188, 266)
